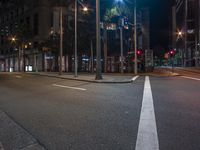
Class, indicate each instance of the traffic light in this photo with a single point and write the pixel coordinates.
(171, 53)
(125, 21)
(139, 52)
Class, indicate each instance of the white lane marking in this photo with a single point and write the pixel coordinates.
(18, 76)
(134, 78)
(1, 146)
(147, 137)
(69, 87)
(191, 78)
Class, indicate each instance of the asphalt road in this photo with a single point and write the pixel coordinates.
(73, 115)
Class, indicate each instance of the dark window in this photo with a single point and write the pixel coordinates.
(52, 19)
(28, 22)
(191, 9)
(191, 37)
(36, 24)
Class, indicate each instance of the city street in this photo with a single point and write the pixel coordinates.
(163, 114)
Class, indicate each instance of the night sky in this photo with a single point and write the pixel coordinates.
(160, 11)
(160, 21)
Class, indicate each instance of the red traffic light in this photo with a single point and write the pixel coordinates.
(139, 52)
(171, 53)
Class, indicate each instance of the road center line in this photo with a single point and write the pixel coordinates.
(69, 87)
(134, 78)
(191, 78)
(147, 137)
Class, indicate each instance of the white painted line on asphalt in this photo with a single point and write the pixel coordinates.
(134, 78)
(191, 78)
(18, 76)
(69, 87)
(1, 146)
(147, 137)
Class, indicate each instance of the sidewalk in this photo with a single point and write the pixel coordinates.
(190, 69)
(13, 136)
(107, 78)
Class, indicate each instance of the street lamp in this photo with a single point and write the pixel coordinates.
(75, 47)
(121, 40)
(13, 40)
(98, 43)
(180, 33)
(135, 35)
(85, 9)
(61, 40)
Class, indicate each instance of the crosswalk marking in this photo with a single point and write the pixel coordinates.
(147, 137)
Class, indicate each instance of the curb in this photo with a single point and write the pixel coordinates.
(84, 80)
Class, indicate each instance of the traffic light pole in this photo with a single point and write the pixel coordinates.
(135, 36)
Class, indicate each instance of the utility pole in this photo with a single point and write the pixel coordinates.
(135, 36)
(92, 58)
(105, 49)
(121, 49)
(75, 50)
(61, 40)
(98, 42)
(19, 59)
(185, 38)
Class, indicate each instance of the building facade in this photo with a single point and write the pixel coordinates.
(186, 32)
(26, 29)
(30, 37)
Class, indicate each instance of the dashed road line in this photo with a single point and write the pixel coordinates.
(134, 78)
(18, 76)
(69, 87)
(147, 137)
(197, 79)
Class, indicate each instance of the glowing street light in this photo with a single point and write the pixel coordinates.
(13, 39)
(85, 9)
(180, 33)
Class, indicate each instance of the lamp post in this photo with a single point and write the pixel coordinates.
(13, 39)
(61, 40)
(75, 50)
(98, 43)
(75, 47)
(135, 36)
(121, 49)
